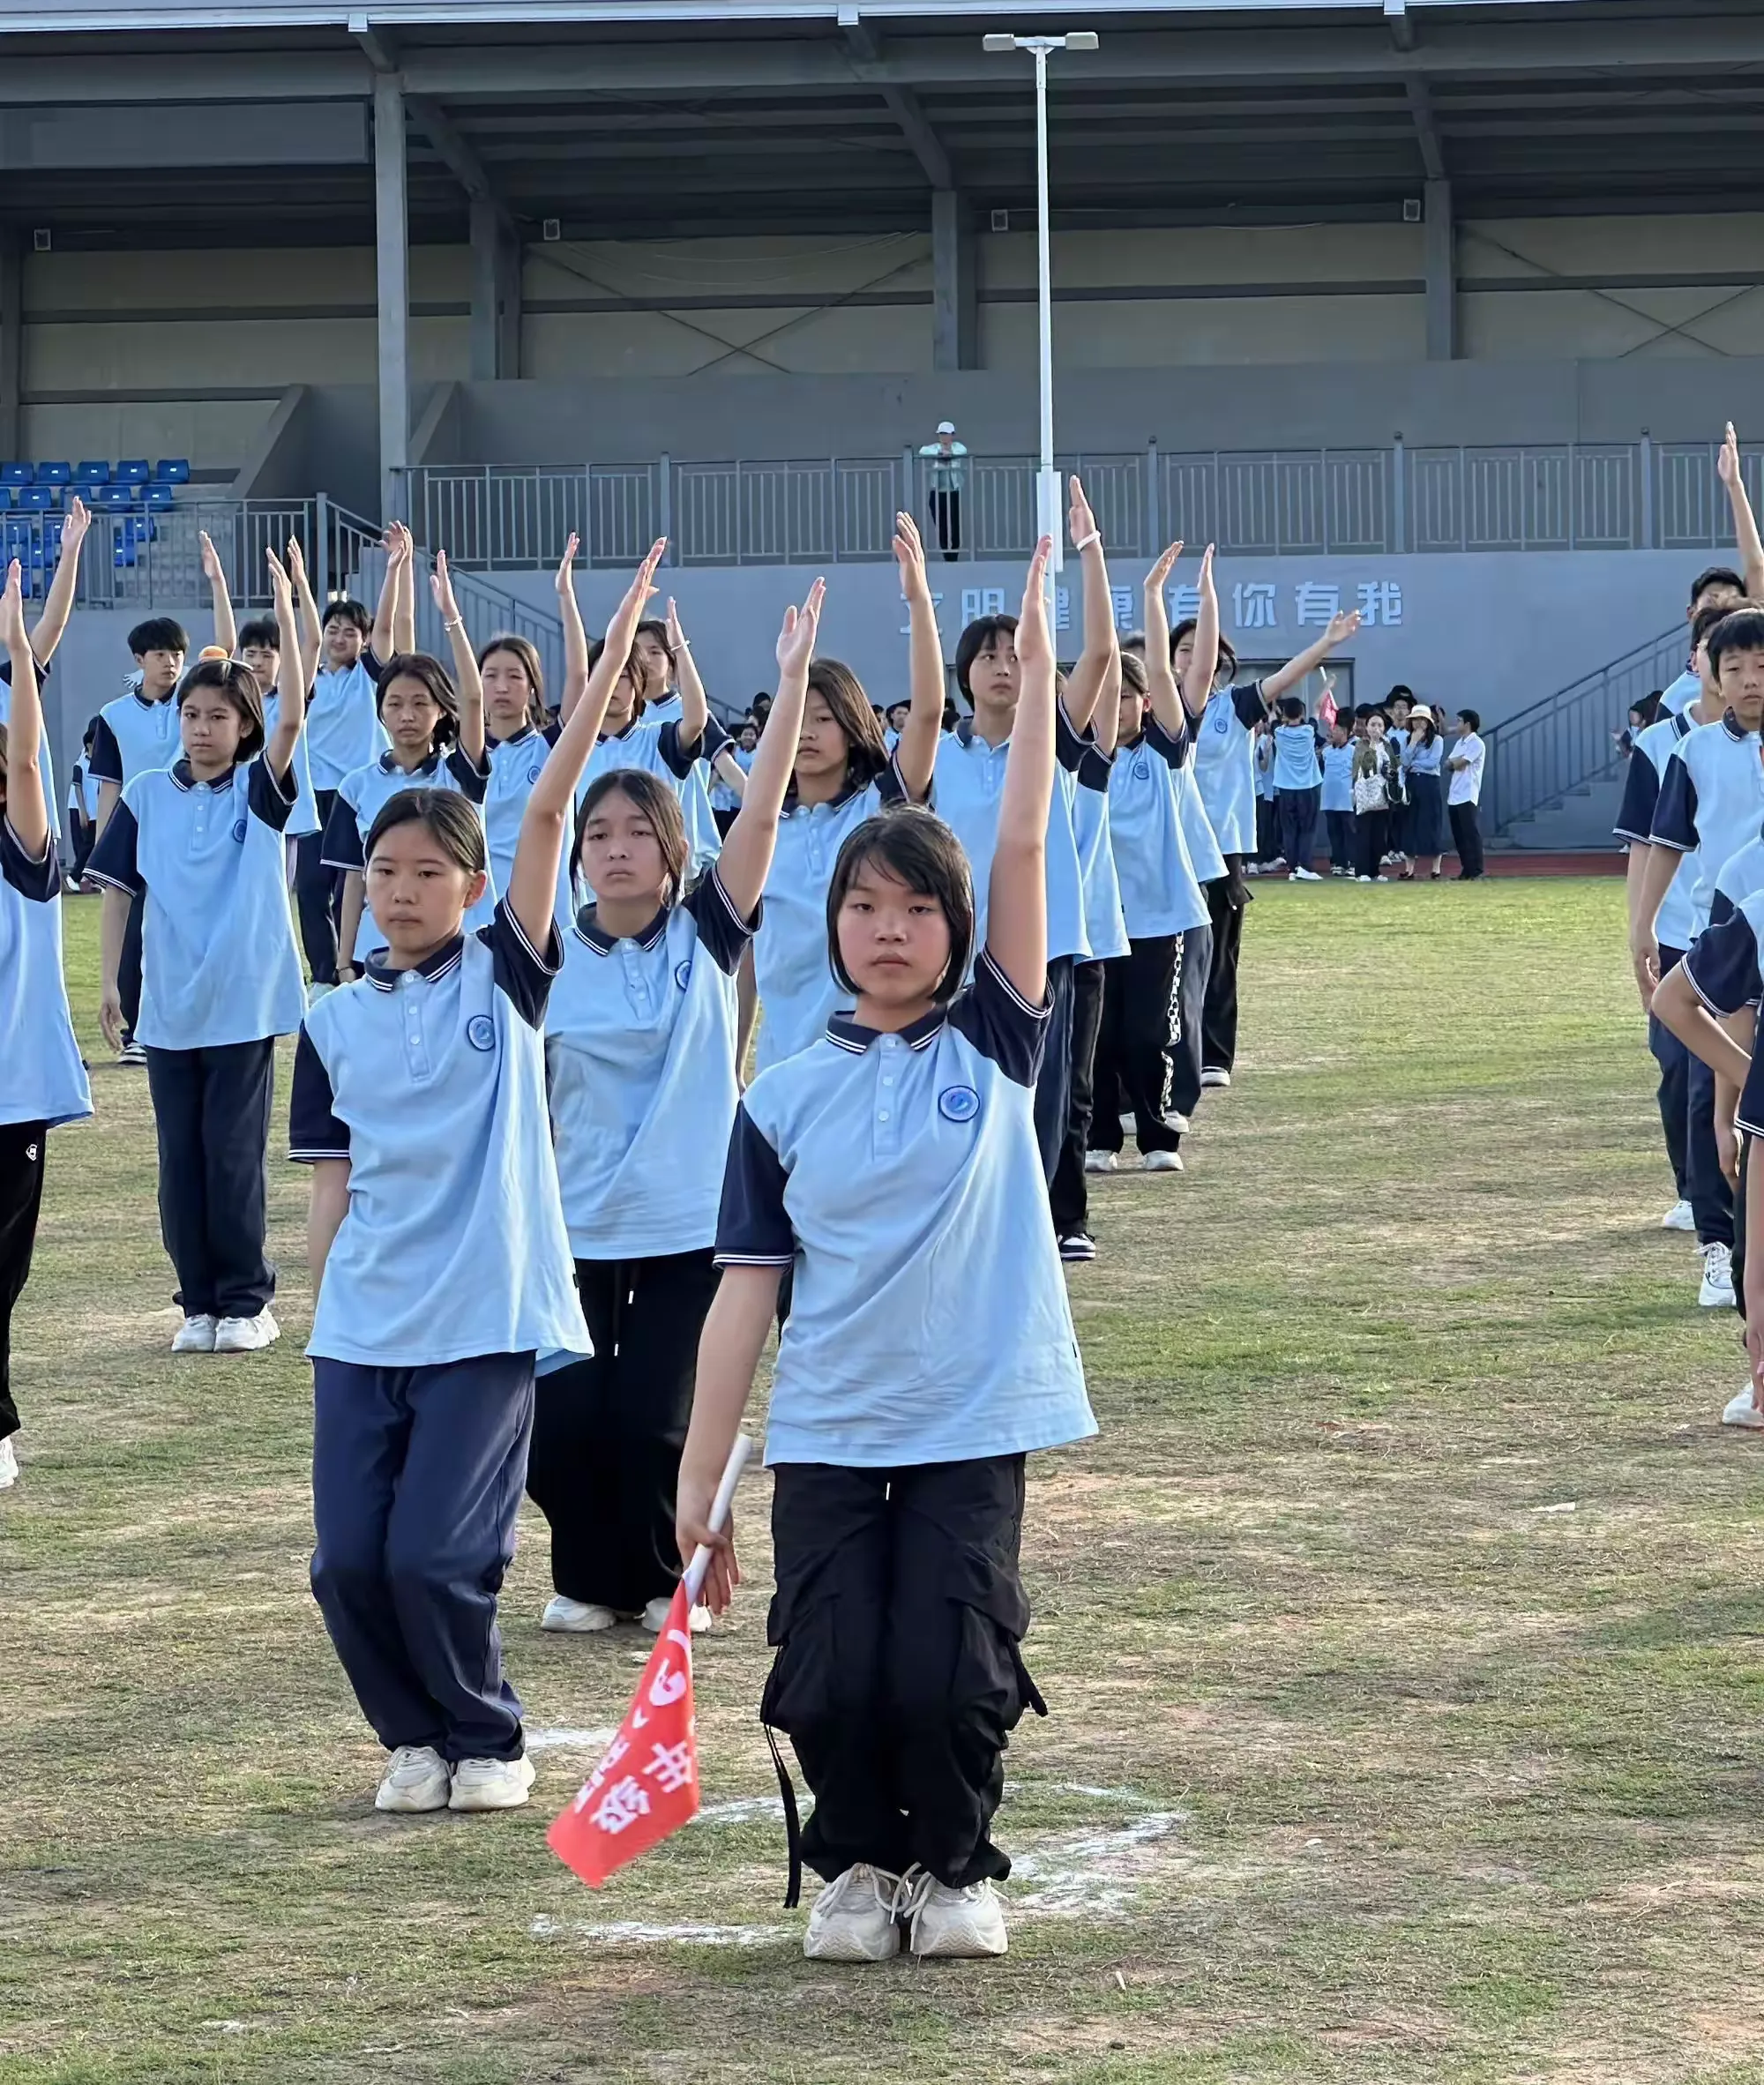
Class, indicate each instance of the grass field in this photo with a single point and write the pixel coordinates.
(1400, 1629)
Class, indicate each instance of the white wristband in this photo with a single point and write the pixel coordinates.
(1084, 542)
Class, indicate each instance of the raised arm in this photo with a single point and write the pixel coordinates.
(384, 641)
(1167, 705)
(1085, 682)
(1744, 523)
(291, 703)
(27, 810)
(1342, 627)
(746, 858)
(1016, 921)
(58, 603)
(1108, 725)
(575, 635)
(695, 709)
(916, 756)
(466, 679)
(532, 893)
(300, 634)
(225, 623)
(1203, 665)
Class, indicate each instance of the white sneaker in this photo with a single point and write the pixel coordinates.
(1100, 1162)
(1678, 1217)
(131, 1053)
(492, 1784)
(576, 1618)
(955, 1924)
(9, 1464)
(1177, 1121)
(853, 1919)
(656, 1617)
(1368, 879)
(1161, 1162)
(1305, 876)
(1717, 1292)
(246, 1335)
(195, 1336)
(415, 1778)
(1215, 1075)
(1741, 1411)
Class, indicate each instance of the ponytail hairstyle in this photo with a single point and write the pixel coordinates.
(239, 685)
(866, 751)
(521, 648)
(421, 666)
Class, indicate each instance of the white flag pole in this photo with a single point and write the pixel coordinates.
(694, 1576)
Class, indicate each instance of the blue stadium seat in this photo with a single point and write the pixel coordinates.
(113, 499)
(92, 473)
(16, 473)
(172, 470)
(37, 499)
(133, 471)
(5, 498)
(162, 495)
(54, 474)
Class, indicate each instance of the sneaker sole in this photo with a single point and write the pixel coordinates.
(1720, 1300)
(576, 1628)
(953, 1948)
(836, 1947)
(404, 1807)
(509, 1802)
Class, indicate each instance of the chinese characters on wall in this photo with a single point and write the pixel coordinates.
(1245, 604)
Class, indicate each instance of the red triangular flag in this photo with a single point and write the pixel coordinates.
(646, 1784)
(1325, 709)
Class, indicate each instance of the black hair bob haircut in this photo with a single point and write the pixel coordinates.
(915, 847)
(980, 636)
(451, 821)
(1741, 631)
(158, 633)
(435, 677)
(262, 631)
(233, 679)
(651, 798)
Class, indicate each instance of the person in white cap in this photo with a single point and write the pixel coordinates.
(948, 462)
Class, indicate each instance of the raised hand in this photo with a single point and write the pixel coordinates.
(566, 576)
(797, 638)
(1079, 519)
(1342, 627)
(213, 569)
(1034, 646)
(909, 556)
(281, 585)
(1206, 578)
(12, 608)
(1727, 463)
(296, 562)
(676, 629)
(399, 544)
(1166, 565)
(441, 586)
(78, 521)
(640, 592)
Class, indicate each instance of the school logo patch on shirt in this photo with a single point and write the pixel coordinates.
(1142, 769)
(958, 1103)
(682, 972)
(239, 831)
(533, 772)
(481, 1032)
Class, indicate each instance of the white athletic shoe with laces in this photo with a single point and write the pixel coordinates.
(1305, 876)
(9, 1464)
(1741, 1411)
(1161, 1162)
(1100, 1162)
(576, 1618)
(247, 1335)
(655, 1617)
(952, 1924)
(492, 1784)
(1215, 1075)
(1717, 1292)
(415, 1778)
(853, 1919)
(1678, 1217)
(195, 1336)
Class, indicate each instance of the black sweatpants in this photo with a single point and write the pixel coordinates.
(129, 965)
(318, 895)
(1674, 1092)
(1193, 969)
(1226, 898)
(1068, 1193)
(897, 1621)
(1371, 842)
(213, 1111)
(1132, 1064)
(1467, 838)
(608, 1431)
(1053, 1089)
(1297, 809)
(1341, 824)
(21, 1201)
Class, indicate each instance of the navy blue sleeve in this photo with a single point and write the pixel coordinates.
(1751, 1115)
(371, 659)
(1173, 751)
(6, 671)
(39, 881)
(1675, 813)
(523, 973)
(889, 786)
(1250, 704)
(551, 734)
(675, 757)
(1722, 965)
(1641, 794)
(1000, 1023)
(268, 799)
(714, 739)
(342, 844)
(754, 1226)
(1069, 744)
(112, 860)
(1093, 770)
(473, 781)
(1721, 906)
(722, 932)
(313, 1130)
(107, 755)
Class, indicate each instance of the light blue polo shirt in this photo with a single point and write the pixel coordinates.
(666, 709)
(42, 1079)
(1741, 875)
(1722, 963)
(343, 727)
(1198, 836)
(1294, 757)
(1676, 927)
(966, 784)
(45, 762)
(1161, 893)
(639, 1049)
(1225, 766)
(516, 764)
(1338, 777)
(655, 748)
(899, 1175)
(792, 970)
(218, 958)
(1105, 924)
(1711, 801)
(1682, 693)
(304, 818)
(362, 795)
(134, 737)
(431, 1083)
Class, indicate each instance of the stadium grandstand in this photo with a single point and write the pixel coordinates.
(1432, 307)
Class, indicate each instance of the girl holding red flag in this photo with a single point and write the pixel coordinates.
(893, 1165)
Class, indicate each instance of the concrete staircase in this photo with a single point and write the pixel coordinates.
(1579, 821)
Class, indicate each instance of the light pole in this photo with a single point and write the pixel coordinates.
(1048, 503)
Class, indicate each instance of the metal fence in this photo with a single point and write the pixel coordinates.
(1264, 502)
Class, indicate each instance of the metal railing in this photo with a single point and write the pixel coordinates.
(1261, 503)
(1568, 739)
